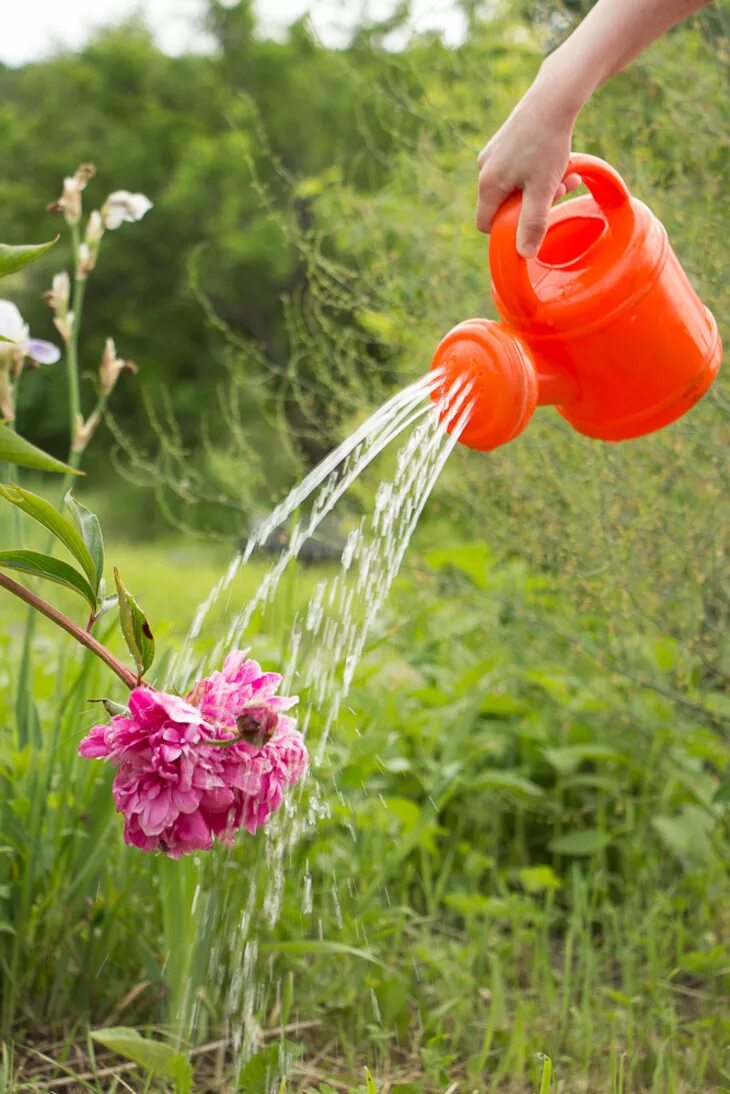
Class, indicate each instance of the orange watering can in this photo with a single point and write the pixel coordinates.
(603, 323)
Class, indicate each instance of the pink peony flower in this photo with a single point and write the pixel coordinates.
(179, 784)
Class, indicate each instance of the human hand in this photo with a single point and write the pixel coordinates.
(529, 153)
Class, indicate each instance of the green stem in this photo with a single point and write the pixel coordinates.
(12, 474)
(34, 601)
(72, 348)
(72, 362)
(71, 359)
(98, 412)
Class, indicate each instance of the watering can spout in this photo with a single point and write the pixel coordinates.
(556, 387)
(504, 382)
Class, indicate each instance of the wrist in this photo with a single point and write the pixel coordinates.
(562, 87)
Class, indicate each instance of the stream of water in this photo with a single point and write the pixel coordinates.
(325, 644)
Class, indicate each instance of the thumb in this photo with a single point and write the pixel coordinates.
(533, 223)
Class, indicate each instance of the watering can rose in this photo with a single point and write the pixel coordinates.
(193, 770)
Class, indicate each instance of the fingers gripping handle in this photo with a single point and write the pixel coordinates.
(510, 276)
(510, 272)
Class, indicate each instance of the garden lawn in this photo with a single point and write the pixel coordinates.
(519, 848)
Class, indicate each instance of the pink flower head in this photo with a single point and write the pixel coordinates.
(193, 770)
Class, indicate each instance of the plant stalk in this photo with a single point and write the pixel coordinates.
(34, 601)
(72, 347)
(72, 360)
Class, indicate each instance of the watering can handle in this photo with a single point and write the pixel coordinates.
(510, 274)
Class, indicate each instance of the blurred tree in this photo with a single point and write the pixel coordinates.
(232, 148)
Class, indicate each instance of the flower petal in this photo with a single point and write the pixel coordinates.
(12, 326)
(45, 353)
(121, 207)
(178, 793)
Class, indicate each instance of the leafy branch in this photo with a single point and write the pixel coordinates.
(82, 537)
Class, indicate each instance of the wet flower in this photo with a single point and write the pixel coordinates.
(69, 203)
(112, 367)
(190, 771)
(122, 207)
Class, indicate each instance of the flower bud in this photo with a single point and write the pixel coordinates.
(89, 249)
(111, 367)
(57, 297)
(7, 402)
(65, 325)
(85, 430)
(69, 203)
(94, 229)
(85, 263)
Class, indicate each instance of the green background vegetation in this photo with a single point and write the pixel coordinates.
(525, 839)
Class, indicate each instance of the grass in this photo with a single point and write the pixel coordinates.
(512, 851)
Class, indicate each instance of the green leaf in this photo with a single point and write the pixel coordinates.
(471, 905)
(258, 1071)
(14, 258)
(385, 327)
(706, 963)
(539, 879)
(161, 1060)
(135, 628)
(112, 708)
(371, 1087)
(686, 835)
(314, 946)
(46, 514)
(14, 449)
(666, 653)
(569, 758)
(722, 794)
(508, 782)
(547, 1074)
(472, 561)
(180, 1071)
(53, 569)
(89, 528)
(588, 841)
(502, 706)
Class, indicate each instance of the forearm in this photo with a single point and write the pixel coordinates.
(613, 33)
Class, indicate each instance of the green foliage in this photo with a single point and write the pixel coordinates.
(135, 628)
(89, 528)
(14, 258)
(67, 533)
(159, 1059)
(257, 1073)
(484, 837)
(16, 450)
(52, 569)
